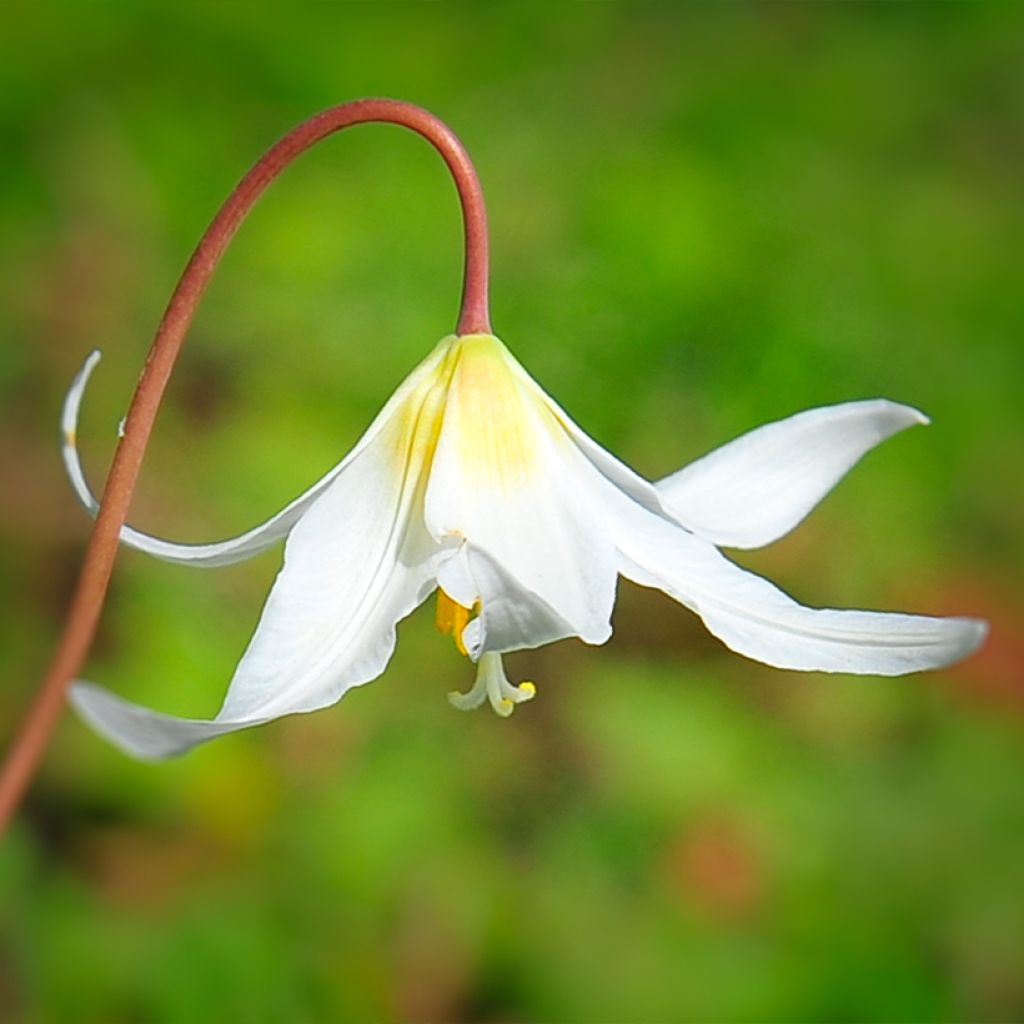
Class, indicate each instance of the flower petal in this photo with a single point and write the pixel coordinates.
(754, 618)
(253, 541)
(511, 616)
(508, 480)
(356, 563)
(140, 732)
(612, 469)
(758, 487)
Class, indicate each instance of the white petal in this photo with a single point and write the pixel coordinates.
(758, 487)
(357, 562)
(253, 541)
(507, 479)
(140, 732)
(512, 617)
(607, 465)
(754, 618)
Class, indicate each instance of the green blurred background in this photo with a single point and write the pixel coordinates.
(703, 218)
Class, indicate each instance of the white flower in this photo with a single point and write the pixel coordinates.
(472, 481)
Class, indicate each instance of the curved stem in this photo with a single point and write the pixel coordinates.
(87, 602)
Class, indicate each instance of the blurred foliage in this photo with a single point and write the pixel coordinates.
(704, 217)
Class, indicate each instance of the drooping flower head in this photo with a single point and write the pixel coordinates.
(472, 483)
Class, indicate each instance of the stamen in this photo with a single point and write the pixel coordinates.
(451, 619)
(492, 685)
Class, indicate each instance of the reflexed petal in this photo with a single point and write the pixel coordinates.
(253, 541)
(357, 562)
(508, 479)
(758, 487)
(753, 617)
(140, 732)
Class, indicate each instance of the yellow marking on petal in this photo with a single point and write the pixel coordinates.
(491, 416)
(528, 688)
(419, 416)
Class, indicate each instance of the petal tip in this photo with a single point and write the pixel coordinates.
(134, 730)
(975, 634)
(906, 415)
(920, 418)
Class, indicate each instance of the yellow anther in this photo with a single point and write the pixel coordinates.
(528, 688)
(444, 617)
(452, 618)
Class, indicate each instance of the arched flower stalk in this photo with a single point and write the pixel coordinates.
(474, 484)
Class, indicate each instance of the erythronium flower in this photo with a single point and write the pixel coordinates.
(473, 482)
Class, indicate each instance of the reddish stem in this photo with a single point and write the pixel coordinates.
(87, 602)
